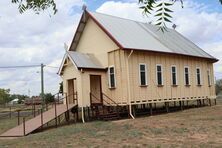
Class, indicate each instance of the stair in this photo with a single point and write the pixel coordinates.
(105, 113)
(110, 116)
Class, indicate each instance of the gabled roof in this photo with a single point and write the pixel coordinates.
(88, 61)
(81, 61)
(129, 34)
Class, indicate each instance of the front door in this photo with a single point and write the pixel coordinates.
(71, 90)
(95, 88)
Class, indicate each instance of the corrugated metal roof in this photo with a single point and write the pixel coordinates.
(82, 60)
(143, 36)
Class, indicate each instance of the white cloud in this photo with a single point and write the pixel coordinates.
(193, 21)
(33, 39)
(128, 10)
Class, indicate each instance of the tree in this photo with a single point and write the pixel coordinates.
(218, 86)
(49, 98)
(4, 96)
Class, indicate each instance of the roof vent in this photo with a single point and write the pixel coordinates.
(174, 26)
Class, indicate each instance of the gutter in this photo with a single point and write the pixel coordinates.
(129, 88)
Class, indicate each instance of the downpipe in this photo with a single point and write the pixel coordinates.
(82, 108)
(128, 78)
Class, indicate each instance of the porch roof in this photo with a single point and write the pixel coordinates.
(82, 60)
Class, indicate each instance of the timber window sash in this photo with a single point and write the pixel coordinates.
(174, 75)
(198, 76)
(159, 74)
(187, 76)
(209, 77)
(112, 77)
(143, 74)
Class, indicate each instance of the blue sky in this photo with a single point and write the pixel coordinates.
(33, 39)
(214, 5)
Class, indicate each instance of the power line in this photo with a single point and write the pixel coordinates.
(25, 66)
(51, 66)
(19, 66)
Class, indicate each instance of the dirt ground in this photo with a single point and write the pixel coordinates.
(197, 127)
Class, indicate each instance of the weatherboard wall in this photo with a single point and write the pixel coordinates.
(167, 91)
(71, 72)
(94, 40)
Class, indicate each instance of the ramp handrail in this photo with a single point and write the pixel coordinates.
(93, 96)
(109, 99)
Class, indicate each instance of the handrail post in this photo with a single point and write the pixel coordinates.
(102, 97)
(42, 118)
(76, 97)
(90, 95)
(67, 108)
(55, 113)
(24, 126)
(67, 104)
(18, 117)
(73, 96)
(58, 98)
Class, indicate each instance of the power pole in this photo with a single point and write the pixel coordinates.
(42, 84)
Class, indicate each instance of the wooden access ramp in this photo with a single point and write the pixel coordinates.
(31, 125)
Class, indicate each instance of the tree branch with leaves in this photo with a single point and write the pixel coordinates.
(36, 5)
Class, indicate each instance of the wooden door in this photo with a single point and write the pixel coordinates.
(71, 90)
(96, 88)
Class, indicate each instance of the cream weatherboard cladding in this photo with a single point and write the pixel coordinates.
(95, 41)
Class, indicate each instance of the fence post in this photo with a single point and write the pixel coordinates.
(55, 114)
(24, 126)
(42, 118)
(18, 117)
(34, 110)
(10, 108)
(47, 107)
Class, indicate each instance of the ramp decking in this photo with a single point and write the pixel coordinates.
(37, 122)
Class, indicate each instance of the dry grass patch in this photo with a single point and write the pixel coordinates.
(198, 127)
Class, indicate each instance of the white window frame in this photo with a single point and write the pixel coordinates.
(188, 76)
(109, 77)
(161, 74)
(209, 77)
(172, 75)
(200, 76)
(145, 74)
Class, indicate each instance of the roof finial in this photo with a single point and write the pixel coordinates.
(174, 26)
(84, 7)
